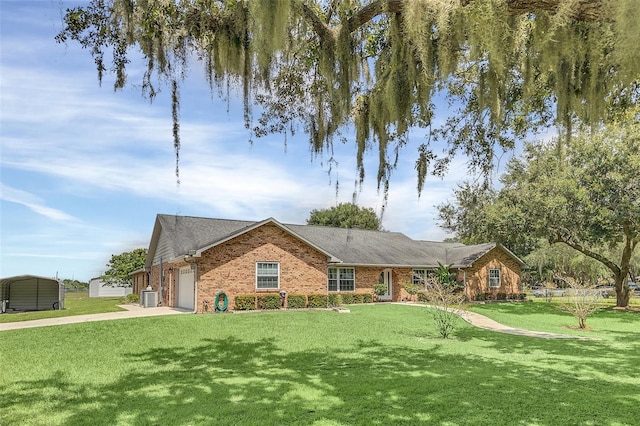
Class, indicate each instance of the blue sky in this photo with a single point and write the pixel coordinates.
(85, 170)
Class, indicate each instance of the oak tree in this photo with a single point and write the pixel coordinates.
(326, 67)
(346, 215)
(122, 265)
(586, 196)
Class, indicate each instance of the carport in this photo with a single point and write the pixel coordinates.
(30, 293)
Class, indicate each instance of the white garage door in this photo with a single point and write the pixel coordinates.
(186, 283)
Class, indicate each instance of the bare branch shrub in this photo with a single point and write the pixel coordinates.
(444, 294)
(582, 299)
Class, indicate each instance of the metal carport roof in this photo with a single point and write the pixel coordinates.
(30, 293)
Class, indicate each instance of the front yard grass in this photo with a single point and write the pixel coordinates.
(379, 364)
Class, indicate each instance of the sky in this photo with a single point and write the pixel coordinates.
(85, 170)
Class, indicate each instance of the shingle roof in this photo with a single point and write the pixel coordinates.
(182, 234)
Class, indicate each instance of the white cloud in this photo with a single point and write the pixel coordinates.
(33, 203)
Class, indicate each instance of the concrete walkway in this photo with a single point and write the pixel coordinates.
(486, 323)
(132, 311)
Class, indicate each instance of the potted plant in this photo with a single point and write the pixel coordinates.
(380, 289)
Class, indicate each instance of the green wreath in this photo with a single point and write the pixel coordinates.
(225, 303)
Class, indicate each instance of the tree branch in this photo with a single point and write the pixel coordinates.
(324, 31)
(562, 236)
(373, 9)
(586, 10)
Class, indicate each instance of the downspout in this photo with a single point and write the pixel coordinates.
(170, 286)
(195, 287)
(160, 281)
(464, 280)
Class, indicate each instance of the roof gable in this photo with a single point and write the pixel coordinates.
(256, 225)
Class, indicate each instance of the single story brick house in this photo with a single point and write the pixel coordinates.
(191, 259)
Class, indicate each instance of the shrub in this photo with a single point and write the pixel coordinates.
(513, 296)
(269, 301)
(523, 296)
(334, 300)
(131, 298)
(501, 296)
(318, 300)
(481, 296)
(347, 299)
(245, 302)
(296, 301)
(357, 298)
(367, 298)
(410, 288)
(422, 296)
(380, 289)
(443, 295)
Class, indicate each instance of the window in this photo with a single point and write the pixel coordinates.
(267, 275)
(341, 279)
(419, 277)
(422, 277)
(494, 277)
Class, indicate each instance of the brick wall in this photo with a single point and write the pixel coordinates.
(231, 266)
(477, 276)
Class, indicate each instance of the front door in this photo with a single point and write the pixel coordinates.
(386, 279)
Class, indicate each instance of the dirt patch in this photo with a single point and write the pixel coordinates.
(575, 327)
(627, 308)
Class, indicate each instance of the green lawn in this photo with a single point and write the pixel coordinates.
(74, 304)
(379, 364)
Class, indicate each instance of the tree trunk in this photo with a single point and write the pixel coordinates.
(623, 293)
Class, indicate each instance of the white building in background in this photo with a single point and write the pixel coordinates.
(97, 288)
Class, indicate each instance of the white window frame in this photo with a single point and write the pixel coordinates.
(423, 277)
(493, 278)
(267, 275)
(419, 277)
(339, 280)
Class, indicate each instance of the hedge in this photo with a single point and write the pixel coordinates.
(245, 302)
(334, 300)
(296, 301)
(269, 301)
(318, 300)
(347, 299)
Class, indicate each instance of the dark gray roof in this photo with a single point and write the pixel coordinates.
(175, 236)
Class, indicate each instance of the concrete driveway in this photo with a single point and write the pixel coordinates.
(132, 311)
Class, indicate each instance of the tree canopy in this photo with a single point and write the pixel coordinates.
(346, 215)
(122, 265)
(587, 196)
(504, 67)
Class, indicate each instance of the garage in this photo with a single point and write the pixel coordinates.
(30, 293)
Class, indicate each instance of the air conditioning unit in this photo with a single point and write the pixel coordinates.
(149, 299)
